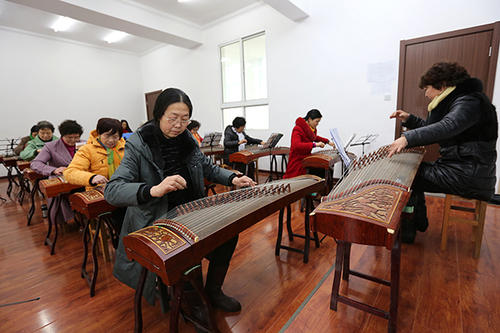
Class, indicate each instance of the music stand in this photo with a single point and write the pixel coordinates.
(211, 139)
(364, 140)
(272, 141)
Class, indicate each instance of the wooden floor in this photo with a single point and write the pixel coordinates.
(440, 291)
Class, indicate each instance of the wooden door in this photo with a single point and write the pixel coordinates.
(150, 102)
(474, 48)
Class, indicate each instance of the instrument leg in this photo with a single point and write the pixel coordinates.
(194, 277)
(49, 231)
(395, 268)
(289, 222)
(32, 196)
(138, 301)
(86, 236)
(9, 177)
(94, 257)
(338, 270)
(280, 232)
(307, 232)
(347, 256)
(175, 307)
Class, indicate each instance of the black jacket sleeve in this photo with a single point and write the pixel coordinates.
(252, 141)
(464, 113)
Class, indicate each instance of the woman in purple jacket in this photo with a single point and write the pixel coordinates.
(54, 157)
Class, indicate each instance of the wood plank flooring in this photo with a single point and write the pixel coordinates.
(440, 291)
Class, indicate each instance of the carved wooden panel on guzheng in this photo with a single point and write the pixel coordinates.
(365, 207)
(91, 203)
(192, 230)
(54, 186)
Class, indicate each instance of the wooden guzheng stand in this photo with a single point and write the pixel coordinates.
(325, 159)
(365, 208)
(173, 248)
(253, 153)
(35, 178)
(94, 209)
(54, 188)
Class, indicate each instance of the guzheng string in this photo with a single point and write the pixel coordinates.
(206, 215)
(374, 169)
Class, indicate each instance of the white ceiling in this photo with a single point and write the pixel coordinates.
(149, 23)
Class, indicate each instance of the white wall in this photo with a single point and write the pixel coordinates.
(321, 62)
(47, 79)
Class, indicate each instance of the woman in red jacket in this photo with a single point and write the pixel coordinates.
(304, 139)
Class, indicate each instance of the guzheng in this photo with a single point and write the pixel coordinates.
(54, 186)
(91, 203)
(366, 205)
(21, 165)
(252, 153)
(192, 230)
(212, 150)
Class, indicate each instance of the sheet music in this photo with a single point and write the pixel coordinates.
(211, 139)
(340, 147)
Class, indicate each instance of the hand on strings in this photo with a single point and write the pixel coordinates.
(169, 184)
(331, 144)
(263, 143)
(320, 144)
(398, 145)
(400, 114)
(59, 171)
(99, 179)
(243, 181)
(242, 141)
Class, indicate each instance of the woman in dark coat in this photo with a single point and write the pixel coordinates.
(235, 139)
(163, 167)
(304, 138)
(464, 123)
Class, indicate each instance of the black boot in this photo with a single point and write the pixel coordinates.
(213, 288)
(408, 230)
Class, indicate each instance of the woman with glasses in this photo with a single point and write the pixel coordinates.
(96, 161)
(164, 167)
(53, 159)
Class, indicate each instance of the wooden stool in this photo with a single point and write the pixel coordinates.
(476, 220)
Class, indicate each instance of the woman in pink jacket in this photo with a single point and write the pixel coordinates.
(53, 159)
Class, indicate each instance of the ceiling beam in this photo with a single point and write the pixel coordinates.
(118, 15)
(288, 8)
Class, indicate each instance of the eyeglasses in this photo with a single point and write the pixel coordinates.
(173, 121)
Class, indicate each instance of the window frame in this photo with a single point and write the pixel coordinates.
(244, 103)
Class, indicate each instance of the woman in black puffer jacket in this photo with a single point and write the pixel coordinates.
(464, 123)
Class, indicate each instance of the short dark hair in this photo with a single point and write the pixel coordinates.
(34, 128)
(45, 124)
(105, 125)
(70, 127)
(170, 96)
(313, 114)
(444, 74)
(193, 124)
(238, 122)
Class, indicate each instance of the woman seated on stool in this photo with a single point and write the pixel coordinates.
(235, 139)
(24, 140)
(96, 161)
(304, 139)
(53, 159)
(464, 123)
(45, 134)
(163, 168)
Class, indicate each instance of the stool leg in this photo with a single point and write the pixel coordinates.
(444, 228)
(307, 231)
(480, 228)
(347, 256)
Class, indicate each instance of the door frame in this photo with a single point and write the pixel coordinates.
(495, 42)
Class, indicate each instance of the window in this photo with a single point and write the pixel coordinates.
(244, 81)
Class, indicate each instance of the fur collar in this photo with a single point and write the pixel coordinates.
(302, 124)
(468, 87)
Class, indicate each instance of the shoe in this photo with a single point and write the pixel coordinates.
(222, 301)
(422, 224)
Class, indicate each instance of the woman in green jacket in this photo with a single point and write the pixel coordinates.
(45, 134)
